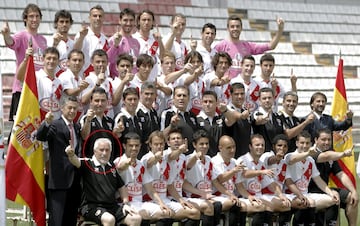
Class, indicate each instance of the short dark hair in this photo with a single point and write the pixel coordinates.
(99, 52)
(125, 56)
(73, 51)
(280, 137)
(97, 7)
(131, 136)
(62, 14)
(321, 131)
(248, 57)
(28, 8)
(208, 25)
(200, 134)
(64, 99)
(267, 57)
(127, 11)
(98, 90)
(290, 93)
(211, 93)
(175, 130)
(144, 59)
(147, 85)
(233, 17)
(266, 90)
(182, 87)
(304, 134)
(51, 50)
(129, 91)
(237, 85)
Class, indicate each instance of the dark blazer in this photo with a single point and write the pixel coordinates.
(61, 171)
(326, 121)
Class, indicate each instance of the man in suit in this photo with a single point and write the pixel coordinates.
(63, 184)
(323, 121)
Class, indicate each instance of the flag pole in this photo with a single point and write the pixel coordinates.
(2, 160)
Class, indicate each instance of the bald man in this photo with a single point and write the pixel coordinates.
(228, 177)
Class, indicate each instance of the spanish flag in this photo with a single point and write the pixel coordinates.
(342, 140)
(24, 166)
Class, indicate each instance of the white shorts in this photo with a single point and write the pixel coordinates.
(173, 205)
(150, 207)
(318, 197)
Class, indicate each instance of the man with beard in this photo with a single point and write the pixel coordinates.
(122, 41)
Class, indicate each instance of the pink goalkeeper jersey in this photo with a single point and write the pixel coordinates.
(21, 42)
(237, 50)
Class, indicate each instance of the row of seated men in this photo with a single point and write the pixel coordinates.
(170, 182)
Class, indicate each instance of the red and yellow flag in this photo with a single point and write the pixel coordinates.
(24, 167)
(342, 139)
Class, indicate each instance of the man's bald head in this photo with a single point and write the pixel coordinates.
(225, 140)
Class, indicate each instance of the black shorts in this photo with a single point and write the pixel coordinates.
(343, 194)
(94, 213)
(14, 105)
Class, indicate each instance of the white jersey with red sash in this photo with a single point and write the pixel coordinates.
(49, 94)
(64, 47)
(160, 173)
(106, 85)
(223, 92)
(251, 93)
(254, 185)
(150, 46)
(179, 50)
(134, 177)
(92, 42)
(301, 172)
(280, 170)
(177, 171)
(221, 167)
(196, 89)
(200, 175)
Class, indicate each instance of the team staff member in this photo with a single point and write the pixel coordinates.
(95, 119)
(239, 127)
(178, 116)
(326, 162)
(64, 182)
(147, 115)
(100, 182)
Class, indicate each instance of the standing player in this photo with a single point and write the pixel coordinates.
(91, 38)
(123, 42)
(19, 42)
(150, 44)
(237, 48)
(61, 40)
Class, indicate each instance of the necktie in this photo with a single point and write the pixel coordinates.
(72, 138)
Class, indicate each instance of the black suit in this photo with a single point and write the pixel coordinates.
(326, 121)
(63, 184)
